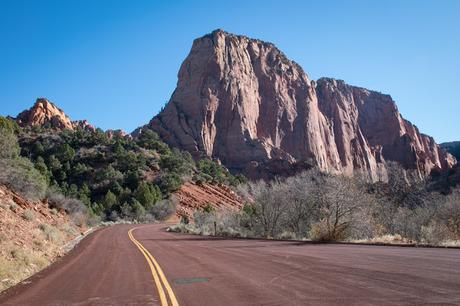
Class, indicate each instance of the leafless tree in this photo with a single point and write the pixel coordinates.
(268, 202)
(338, 200)
(300, 202)
(449, 213)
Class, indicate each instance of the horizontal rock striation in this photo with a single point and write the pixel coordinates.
(196, 197)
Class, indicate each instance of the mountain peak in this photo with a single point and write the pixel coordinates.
(46, 113)
(241, 100)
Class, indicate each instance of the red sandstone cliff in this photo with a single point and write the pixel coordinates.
(242, 101)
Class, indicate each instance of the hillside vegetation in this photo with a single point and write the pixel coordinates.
(35, 221)
(111, 174)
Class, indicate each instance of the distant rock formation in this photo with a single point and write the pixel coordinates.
(117, 133)
(45, 113)
(452, 147)
(240, 100)
(83, 124)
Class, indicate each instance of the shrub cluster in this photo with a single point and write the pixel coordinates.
(18, 173)
(114, 177)
(324, 207)
(105, 175)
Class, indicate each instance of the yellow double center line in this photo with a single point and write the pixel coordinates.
(158, 275)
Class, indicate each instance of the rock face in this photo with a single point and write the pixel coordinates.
(192, 197)
(369, 130)
(45, 113)
(242, 101)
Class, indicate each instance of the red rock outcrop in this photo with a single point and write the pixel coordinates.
(192, 197)
(45, 113)
(117, 133)
(84, 125)
(242, 101)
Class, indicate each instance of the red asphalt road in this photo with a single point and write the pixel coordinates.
(106, 268)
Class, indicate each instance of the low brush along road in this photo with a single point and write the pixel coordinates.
(145, 265)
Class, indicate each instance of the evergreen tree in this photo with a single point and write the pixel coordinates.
(110, 200)
(41, 167)
(147, 195)
(138, 210)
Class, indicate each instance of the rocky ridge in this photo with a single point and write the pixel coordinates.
(45, 113)
(242, 101)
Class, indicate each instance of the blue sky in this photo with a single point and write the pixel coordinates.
(115, 63)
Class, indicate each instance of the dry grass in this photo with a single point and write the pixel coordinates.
(51, 233)
(385, 239)
(397, 239)
(450, 243)
(28, 215)
(31, 237)
(17, 264)
(70, 230)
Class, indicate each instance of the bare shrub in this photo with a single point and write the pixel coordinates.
(222, 223)
(20, 175)
(434, 233)
(29, 215)
(70, 230)
(204, 222)
(163, 209)
(268, 206)
(326, 207)
(51, 233)
(404, 187)
(228, 225)
(383, 216)
(449, 214)
(338, 208)
(312, 204)
(79, 218)
(407, 220)
(60, 202)
(300, 204)
(74, 207)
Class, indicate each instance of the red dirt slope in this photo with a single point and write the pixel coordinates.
(192, 197)
(31, 236)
